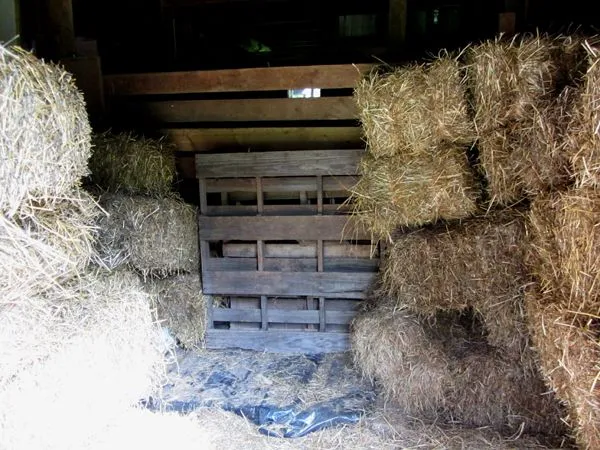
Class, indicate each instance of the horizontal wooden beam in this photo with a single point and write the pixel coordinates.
(281, 184)
(292, 264)
(278, 341)
(282, 228)
(316, 284)
(273, 210)
(273, 164)
(235, 80)
(264, 138)
(245, 110)
(283, 316)
(304, 250)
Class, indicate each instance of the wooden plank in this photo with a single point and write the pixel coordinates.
(302, 250)
(282, 316)
(326, 284)
(292, 264)
(281, 184)
(233, 80)
(273, 228)
(244, 110)
(264, 138)
(264, 311)
(274, 210)
(278, 341)
(279, 164)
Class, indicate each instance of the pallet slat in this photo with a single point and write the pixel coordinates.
(274, 210)
(234, 80)
(315, 284)
(278, 341)
(274, 164)
(304, 250)
(292, 264)
(281, 184)
(244, 110)
(251, 228)
(283, 316)
(264, 138)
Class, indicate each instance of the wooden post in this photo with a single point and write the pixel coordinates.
(397, 24)
(59, 31)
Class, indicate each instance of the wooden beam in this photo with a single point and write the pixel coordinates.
(234, 80)
(324, 284)
(281, 184)
(273, 228)
(245, 110)
(274, 164)
(282, 316)
(278, 341)
(264, 138)
(303, 250)
(273, 210)
(292, 264)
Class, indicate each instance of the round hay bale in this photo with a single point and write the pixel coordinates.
(569, 357)
(133, 165)
(400, 191)
(391, 346)
(153, 236)
(564, 253)
(103, 356)
(414, 108)
(44, 132)
(181, 307)
(48, 244)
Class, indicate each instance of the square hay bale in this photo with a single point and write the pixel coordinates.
(569, 357)
(475, 264)
(523, 92)
(181, 306)
(157, 237)
(98, 353)
(414, 108)
(441, 368)
(44, 131)
(48, 243)
(404, 191)
(564, 254)
(132, 164)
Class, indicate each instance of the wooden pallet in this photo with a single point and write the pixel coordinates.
(294, 269)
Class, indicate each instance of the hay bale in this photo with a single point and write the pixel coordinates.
(153, 236)
(132, 165)
(47, 244)
(476, 264)
(522, 94)
(569, 358)
(181, 307)
(403, 191)
(444, 370)
(391, 346)
(565, 248)
(103, 357)
(44, 131)
(414, 108)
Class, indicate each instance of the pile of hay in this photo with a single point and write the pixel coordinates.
(181, 307)
(442, 369)
(476, 264)
(44, 131)
(156, 237)
(397, 191)
(414, 108)
(133, 165)
(523, 92)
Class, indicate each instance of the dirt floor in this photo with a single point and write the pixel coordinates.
(252, 400)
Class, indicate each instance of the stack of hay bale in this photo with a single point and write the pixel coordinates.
(79, 347)
(446, 332)
(149, 229)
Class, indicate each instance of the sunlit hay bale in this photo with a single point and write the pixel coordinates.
(181, 307)
(153, 236)
(569, 356)
(44, 131)
(415, 108)
(133, 165)
(402, 191)
(477, 264)
(47, 244)
(140, 428)
(565, 248)
(392, 346)
(103, 357)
